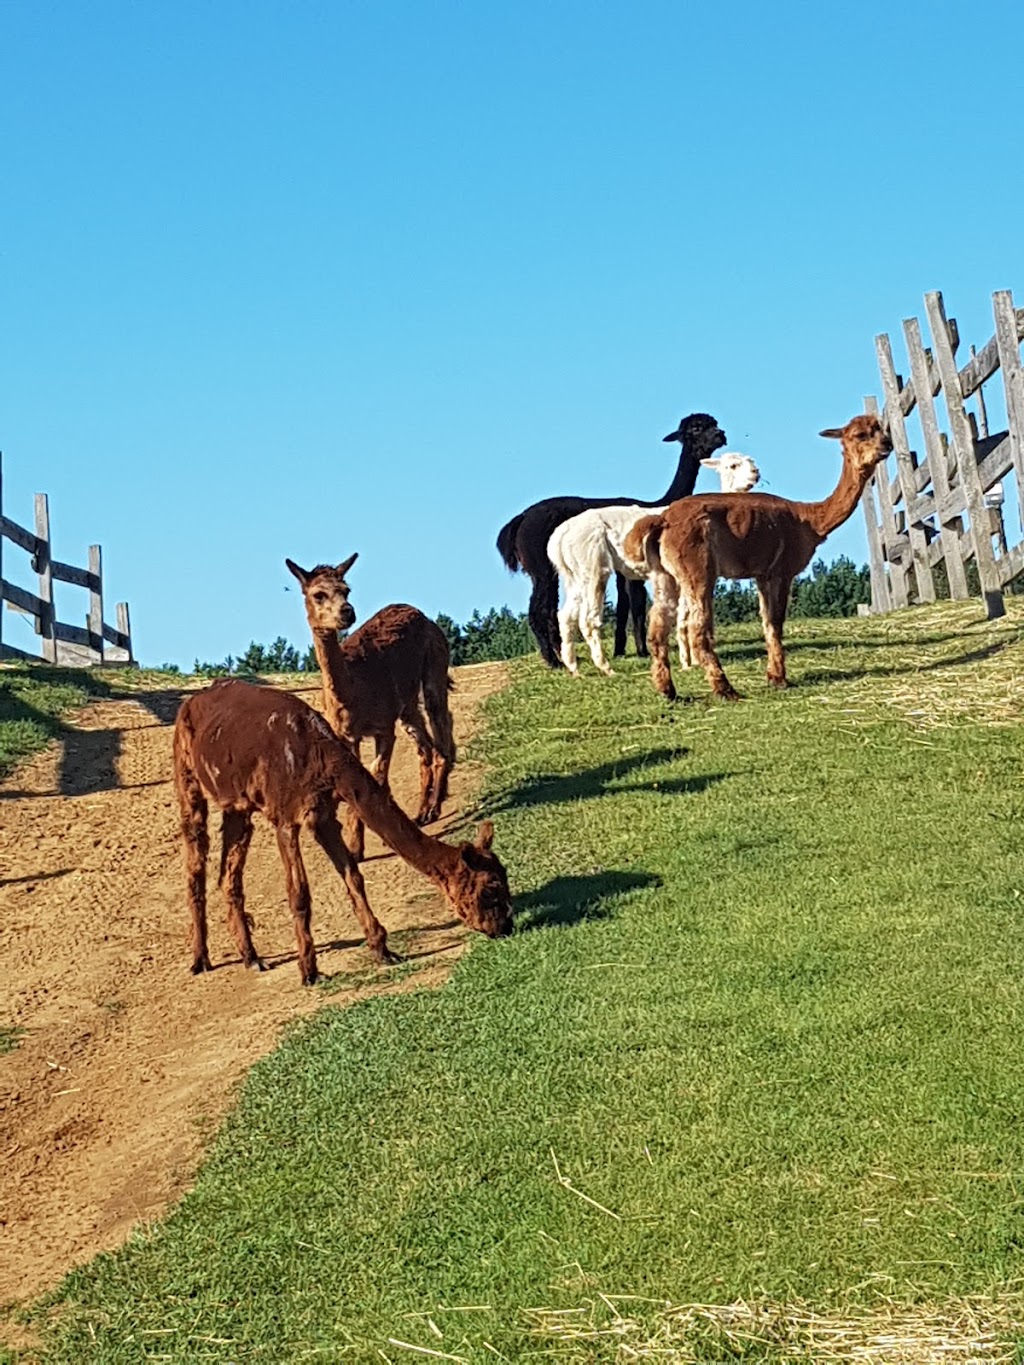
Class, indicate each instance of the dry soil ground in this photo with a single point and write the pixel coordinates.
(127, 1062)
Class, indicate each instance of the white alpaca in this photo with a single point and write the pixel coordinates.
(587, 549)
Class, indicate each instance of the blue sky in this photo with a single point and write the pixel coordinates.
(302, 279)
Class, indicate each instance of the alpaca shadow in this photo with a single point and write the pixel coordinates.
(331, 945)
(36, 877)
(576, 900)
(553, 789)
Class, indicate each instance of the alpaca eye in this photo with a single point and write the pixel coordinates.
(319, 597)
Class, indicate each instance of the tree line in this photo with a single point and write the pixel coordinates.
(834, 589)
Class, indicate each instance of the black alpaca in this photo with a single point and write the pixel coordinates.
(523, 542)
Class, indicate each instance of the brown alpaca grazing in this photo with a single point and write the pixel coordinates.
(248, 748)
(377, 678)
(709, 536)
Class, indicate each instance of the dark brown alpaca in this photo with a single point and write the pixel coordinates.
(700, 539)
(391, 670)
(247, 748)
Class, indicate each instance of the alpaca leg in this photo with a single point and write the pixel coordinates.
(623, 609)
(299, 900)
(197, 847)
(439, 714)
(236, 834)
(327, 833)
(568, 619)
(383, 748)
(636, 590)
(699, 587)
(591, 615)
(683, 632)
(774, 599)
(660, 625)
(543, 615)
(413, 725)
(354, 830)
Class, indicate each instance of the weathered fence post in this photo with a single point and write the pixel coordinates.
(94, 621)
(898, 595)
(1008, 346)
(936, 453)
(47, 616)
(904, 467)
(125, 627)
(967, 464)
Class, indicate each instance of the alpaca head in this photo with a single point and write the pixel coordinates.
(326, 595)
(700, 430)
(737, 473)
(477, 886)
(866, 442)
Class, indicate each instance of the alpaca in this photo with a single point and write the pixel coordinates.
(523, 542)
(587, 549)
(744, 535)
(250, 748)
(380, 675)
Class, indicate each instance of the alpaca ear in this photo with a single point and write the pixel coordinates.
(485, 837)
(344, 567)
(673, 436)
(300, 574)
(715, 463)
(833, 433)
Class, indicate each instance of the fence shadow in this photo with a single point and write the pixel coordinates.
(88, 758)
(574, 900)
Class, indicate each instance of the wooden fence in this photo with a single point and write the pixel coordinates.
(80, 646)
(944, 505)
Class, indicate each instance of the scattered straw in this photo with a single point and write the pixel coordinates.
(971, 1331)
(563, 1180)
(939, 666)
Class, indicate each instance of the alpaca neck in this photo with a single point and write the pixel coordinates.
(333, 671)
(825, 516)
(685, 478)
(380, 812)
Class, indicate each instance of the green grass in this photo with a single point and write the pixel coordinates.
(758, 1038)
(9, 1035)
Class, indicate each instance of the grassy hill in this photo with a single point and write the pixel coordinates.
(746, 1084)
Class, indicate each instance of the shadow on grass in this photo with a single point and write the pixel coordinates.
(755, 649)
(553, 788)
(574, 900)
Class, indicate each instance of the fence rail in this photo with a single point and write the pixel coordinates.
(945, 505)
(95, 642)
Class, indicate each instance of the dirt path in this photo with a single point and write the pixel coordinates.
(127, 1062)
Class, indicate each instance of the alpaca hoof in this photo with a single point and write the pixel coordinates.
(256, 964)
(311, 977)
(201, 964)
(608, 672)
(728, 694)
(780, 683)
(385, 957)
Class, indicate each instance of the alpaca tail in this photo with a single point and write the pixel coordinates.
(642, 542)
(507, 543)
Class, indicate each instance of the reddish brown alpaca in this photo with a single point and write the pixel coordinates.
(376, 678)
(700, 539)
(247, 748)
